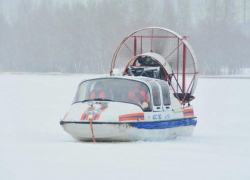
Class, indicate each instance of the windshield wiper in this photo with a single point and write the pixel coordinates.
(96, 99)
(83, 101)
(101, 99)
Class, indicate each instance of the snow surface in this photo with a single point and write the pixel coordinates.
(34, 146)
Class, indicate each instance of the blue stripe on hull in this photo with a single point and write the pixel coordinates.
(165, 124)
(131, 117)
(188, 112)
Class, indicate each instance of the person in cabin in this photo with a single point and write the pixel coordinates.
(98, 91)
(138, 96)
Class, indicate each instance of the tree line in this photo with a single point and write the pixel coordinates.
(82, 37)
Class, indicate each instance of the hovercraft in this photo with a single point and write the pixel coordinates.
(147, 95)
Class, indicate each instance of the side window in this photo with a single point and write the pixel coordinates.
(155, 93)
(165, 93)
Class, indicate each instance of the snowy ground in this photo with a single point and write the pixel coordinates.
(34, 146)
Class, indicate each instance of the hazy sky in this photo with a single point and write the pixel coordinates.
(8, 7)
(66, 39)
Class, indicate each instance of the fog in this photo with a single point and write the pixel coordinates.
(81, 36)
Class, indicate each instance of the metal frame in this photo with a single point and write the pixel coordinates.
(181, 43)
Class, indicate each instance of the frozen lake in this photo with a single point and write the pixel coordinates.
(34, 146)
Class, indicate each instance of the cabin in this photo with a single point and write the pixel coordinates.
(148, 93)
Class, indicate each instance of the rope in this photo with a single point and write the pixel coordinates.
(92, 131)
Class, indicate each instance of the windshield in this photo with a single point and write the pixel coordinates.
(121, 90)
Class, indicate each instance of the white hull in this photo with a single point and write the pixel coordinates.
(124, 132)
